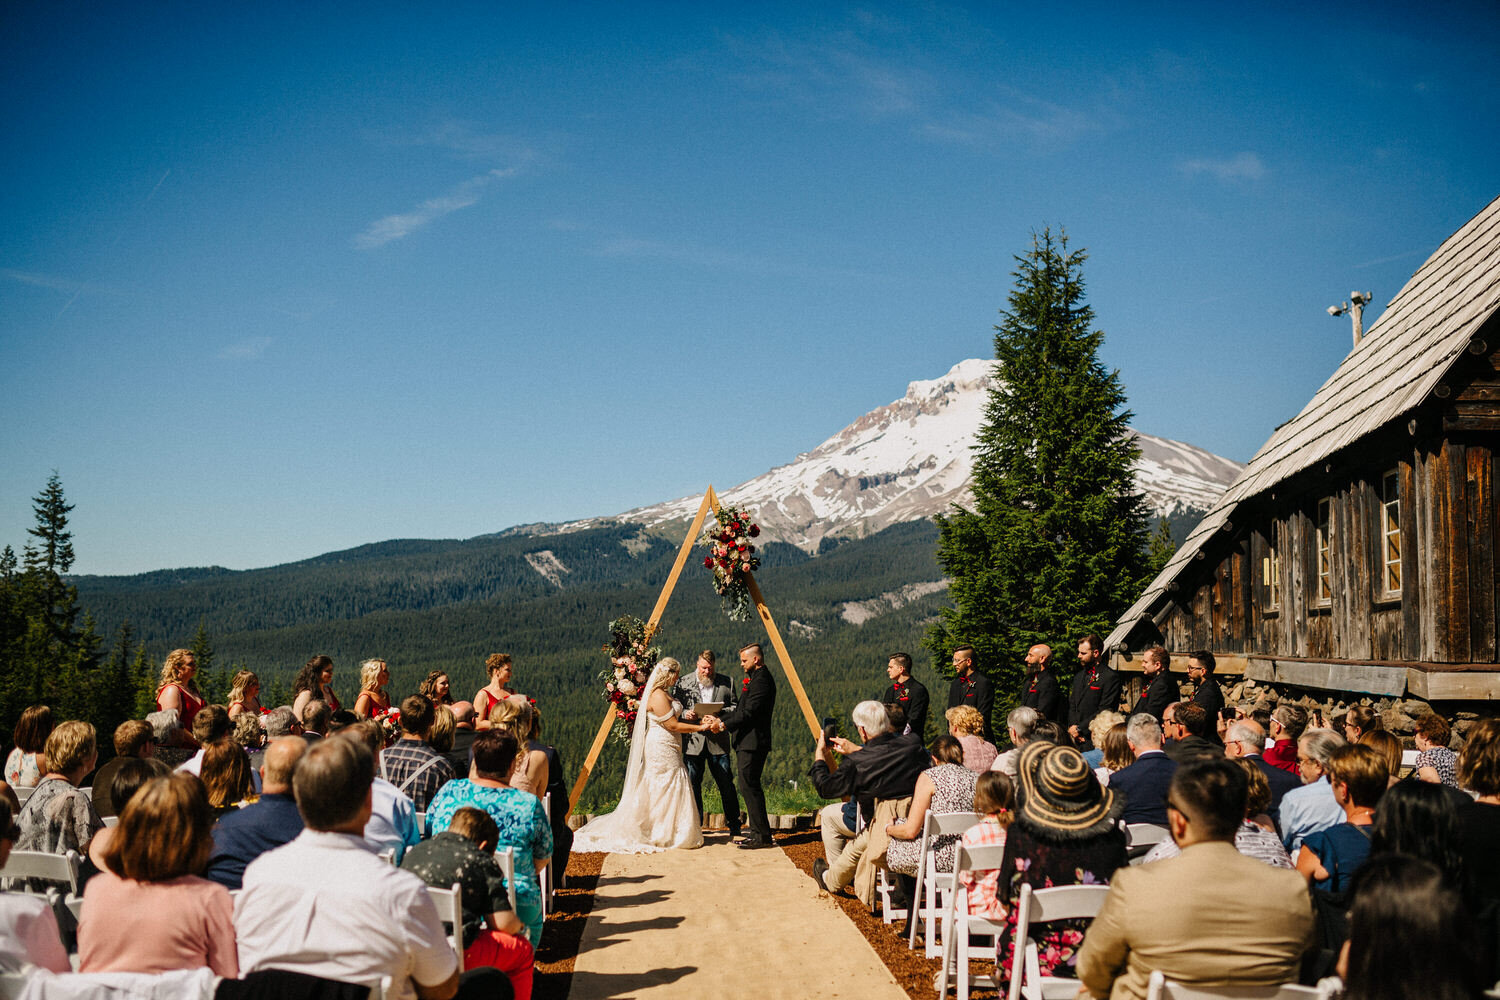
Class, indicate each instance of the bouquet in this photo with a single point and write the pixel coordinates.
(390, 724)
(732, 558)
(631, 657)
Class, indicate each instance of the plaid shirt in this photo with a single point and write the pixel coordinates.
(416, 769)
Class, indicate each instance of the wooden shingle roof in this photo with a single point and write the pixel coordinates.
(1422, 332)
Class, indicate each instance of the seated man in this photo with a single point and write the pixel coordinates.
(411, 764)
(1019, 725)
(393, 821)
(245, 834)
(327, 905)
(465, 854)
(1244, 738)
(1145, 782)
(1306, 810)
(886, 767)
(315, 720)
(1250, 930)
(133, 738)
(1192, 726)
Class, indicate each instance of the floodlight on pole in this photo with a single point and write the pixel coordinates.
(1355, 307)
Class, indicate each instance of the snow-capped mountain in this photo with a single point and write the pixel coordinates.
(910, 459)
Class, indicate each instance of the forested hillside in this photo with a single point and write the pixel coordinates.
(426, 605)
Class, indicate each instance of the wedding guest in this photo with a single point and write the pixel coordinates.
(29, 937)
(210, 725)
(267, 823)
(134, 740)
(58, 817)
(1436, 763)
(435, 688)
(314, 682)
(522, 823)
(1117, 753)
(1256, 837)
(24, 768)
(971, 687)
(967, 726)
(440, 733)
(1067, 832)
(1360, 719)
(1416, 818)
(412, 764)
(1330, 857)
(1312, 807)
(1479, 773)
(1246, 739)
(1098, 726)
(464, 854)
(226, 777)
(1288, 723)
(1409, 936)
(1018, 725)
(244, 694)
(393, 815)
(498, 666)
(530, 774)
(248, 734)
(341, 720)
(130, 778)
(464, 732)
(178, 690)
(947, 786)
(1144, 783)
(1193, 726)
(995, 801)
(906, 693)
(315, 715)
(372, 700)
(1389, 749)
(154, 866)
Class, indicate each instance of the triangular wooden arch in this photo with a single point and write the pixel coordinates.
(710, 502)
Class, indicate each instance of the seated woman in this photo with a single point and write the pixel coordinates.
(154, 866)
(23, 768)
(1116, 752)
(226, 778)
(531, 773)
(967, 726)
(1389, 748)
(947, 786)
(517, 814)
(248, 732)
(29, 938)
(372, 700)
(465, 854)
(995, 801)
(58, 817)
(129, 778)
(1099, 727)
(1436, 763)
(1329, 858)
(498, 666)
(244, 694)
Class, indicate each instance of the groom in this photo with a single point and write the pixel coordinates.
(750, 722)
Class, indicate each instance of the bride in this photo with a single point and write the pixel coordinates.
(656, 809)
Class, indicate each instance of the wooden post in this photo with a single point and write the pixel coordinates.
(786, 657)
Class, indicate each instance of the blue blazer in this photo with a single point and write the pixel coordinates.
(1145, 785)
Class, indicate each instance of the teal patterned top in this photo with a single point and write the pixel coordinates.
(519, 815)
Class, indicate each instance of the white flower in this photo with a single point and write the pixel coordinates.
(627, 687)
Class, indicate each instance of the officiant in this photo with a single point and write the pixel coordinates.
(710, 750)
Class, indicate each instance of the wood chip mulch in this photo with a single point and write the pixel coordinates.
(564, 930)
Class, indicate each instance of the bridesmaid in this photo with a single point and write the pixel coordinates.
(372, 700)
(244, 694)
(497, 690)
(314, 683)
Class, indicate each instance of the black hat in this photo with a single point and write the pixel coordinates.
(1061, 798)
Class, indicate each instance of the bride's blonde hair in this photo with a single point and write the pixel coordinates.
(671, 665)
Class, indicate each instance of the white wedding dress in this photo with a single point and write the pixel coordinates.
(656, 810)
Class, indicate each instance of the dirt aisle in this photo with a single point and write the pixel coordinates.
(720, 922)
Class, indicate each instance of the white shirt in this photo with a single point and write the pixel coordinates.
(28, 935)
(326, 905)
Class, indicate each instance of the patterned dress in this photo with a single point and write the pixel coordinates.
(21, 770)
(1443, 761)
(1043, 864)
(523, 826)
(58, 818)
(953, 791)
(984, 886)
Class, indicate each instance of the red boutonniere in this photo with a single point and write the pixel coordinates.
(745, 684)
(902, 694)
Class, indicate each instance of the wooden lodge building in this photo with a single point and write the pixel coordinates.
(1357, 552)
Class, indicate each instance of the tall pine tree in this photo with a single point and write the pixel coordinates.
(1053, 547)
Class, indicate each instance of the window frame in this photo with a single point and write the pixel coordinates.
(1388, 528)
(1322, 575)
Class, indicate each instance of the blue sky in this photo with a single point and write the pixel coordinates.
(283, 279)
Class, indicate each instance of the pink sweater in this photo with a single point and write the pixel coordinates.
(182, 923)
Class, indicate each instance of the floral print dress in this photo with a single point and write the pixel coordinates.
(953, 791)
(1031, 860)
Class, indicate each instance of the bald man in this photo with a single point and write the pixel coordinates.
(245, 834)
(1040, 690)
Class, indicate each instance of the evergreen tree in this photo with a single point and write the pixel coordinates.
(212, 684)
(145, 675)
(1052, 548)
(1162, 547)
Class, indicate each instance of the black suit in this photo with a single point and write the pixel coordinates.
(978, 692)
(912, 697)
(1144, 785)
(1040, 691)
(1210, 696)
(750, 722)
(1160, 692)
(1094, 691)
(886, 767)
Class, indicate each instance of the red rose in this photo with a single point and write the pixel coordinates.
(708, 562)
(745, 684)
(754, 530)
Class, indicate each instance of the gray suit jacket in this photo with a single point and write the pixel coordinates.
(695, 744)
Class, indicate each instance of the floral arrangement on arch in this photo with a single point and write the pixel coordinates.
(732, 558)
(631, 657)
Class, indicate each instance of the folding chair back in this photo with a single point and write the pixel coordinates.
(545, 879)
(930, 904)
(422, 825)
(12, 984)
(959, 924)
(449, 904)
(506, 856)
(1141, 837)
(1162, 989)
(43, 865)
(1063, 902)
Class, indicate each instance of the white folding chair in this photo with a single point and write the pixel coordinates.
(12, 984)
(1161, 988)
(43, 865)
(959, 926)
(506, 857)
(932, 903)
(111, 821)
(1141, 837)
(422, 825)
(885, 891)
(1037, 906)
(74, 905)
(449, 903)
(546, 874)
(389, 856)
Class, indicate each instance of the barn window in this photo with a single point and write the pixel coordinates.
(1390, 531)
(1325, 551)
(1270, 571)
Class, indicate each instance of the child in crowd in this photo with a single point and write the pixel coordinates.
(994, 800)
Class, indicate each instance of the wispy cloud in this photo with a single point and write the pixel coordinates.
(394, 227)
(64, 285)
(1239, 167)
(465, 139)
(245, 350)
(1424, 251)
(1016, 118)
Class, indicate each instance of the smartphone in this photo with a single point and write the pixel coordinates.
(830, 728)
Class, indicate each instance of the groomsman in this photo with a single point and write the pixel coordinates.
(1206, 690)
(1039, 690)
(1160, 690)
(1096, 688)
(750, 722)
(908, 694)
(710, 750)
(971, 687)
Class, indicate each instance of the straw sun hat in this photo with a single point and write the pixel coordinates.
(1060, 797)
